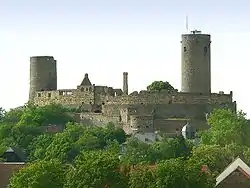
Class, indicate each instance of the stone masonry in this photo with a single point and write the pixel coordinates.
(144, 111)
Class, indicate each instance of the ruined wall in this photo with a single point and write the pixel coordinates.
(171, 125)
(103, 95)
(145, 97)
(142, 123)
(95, 119)
(65, 97)
(163, 111)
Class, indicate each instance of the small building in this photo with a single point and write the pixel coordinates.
(236, 175)
(13, 160)
(13, 154)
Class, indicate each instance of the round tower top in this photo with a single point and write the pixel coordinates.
(196, 33)
(36, 58)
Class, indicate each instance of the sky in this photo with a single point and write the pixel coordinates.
(106, 38)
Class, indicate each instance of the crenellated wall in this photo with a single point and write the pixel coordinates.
(103, 95)
(65, 97)
(165, 98)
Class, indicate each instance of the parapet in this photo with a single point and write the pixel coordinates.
(35, 58)
(163, 97)
(195, 34)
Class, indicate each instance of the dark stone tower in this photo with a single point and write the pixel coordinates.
(196, 63)
(43, 74)
(125, 83)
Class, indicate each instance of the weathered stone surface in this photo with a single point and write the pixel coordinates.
(145, 110)
(196, 63)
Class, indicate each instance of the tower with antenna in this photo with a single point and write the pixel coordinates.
(195, 62)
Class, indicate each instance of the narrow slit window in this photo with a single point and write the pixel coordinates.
(205, 50)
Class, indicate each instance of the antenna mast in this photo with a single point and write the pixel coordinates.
(187, 23)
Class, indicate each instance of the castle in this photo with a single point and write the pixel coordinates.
(144, 111)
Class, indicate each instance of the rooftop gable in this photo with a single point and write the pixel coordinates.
(236, 164)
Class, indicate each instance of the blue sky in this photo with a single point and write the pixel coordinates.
(106, 38)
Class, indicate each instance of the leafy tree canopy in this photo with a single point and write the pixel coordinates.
(227, 127)
(21, 125)
(176, 173)
(160, 85)
(2, 112)
(96, 169)
(49, 174)
(90, 156)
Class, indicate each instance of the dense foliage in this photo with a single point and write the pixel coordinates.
(84, 156)
(160, 85)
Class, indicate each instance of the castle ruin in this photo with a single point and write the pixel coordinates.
(144, 111)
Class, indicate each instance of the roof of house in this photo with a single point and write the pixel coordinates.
(17, 151)
(237, 164)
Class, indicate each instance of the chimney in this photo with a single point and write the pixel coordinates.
(125, 83)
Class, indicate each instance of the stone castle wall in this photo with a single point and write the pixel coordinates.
(78, 97)
(145, 109)
(98, 119)
(142, 122)
(196, 111)
(145, 97)
(68, 97)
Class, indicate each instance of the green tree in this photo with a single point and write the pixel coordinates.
(173, 148)
(88, 141)
(12, 116)
(2, 112)
(49, 174)
(114, 133)
(160, 85)
(62, 147)
(96, 169)
(142, 177)
(177, 173)
(233, 150)
(21, 125)
(170, 173)
(37, 149)
(214, 156)
(227, 127)
(138, 152)
(44, 115)
(67, 145)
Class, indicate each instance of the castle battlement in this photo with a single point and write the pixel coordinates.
(101, 95)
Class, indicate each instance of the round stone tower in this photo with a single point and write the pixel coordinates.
(43, 74)
(196, 63)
